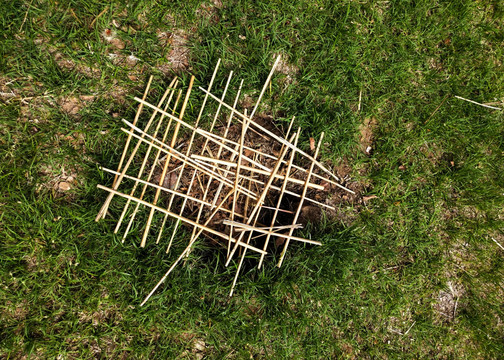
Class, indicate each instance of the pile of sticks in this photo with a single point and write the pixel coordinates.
(216, 182)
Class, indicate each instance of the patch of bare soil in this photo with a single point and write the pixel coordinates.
(196, 347)
(288, 70)
(58, 182)
(104, 347)
(103, 315)
(210, 11)
(366, 130)
(15, 312)
(447, 303)
(178, 55)
(71, 105)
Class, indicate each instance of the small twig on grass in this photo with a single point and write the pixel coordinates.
(360, 101)
(75, 16)
(26, 15)
(477, 103)
(98, 16)
(502, 247)
(407, 331)
(435, 111)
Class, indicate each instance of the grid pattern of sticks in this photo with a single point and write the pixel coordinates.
(217, 182)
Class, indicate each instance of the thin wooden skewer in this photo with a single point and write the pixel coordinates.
(219, 152)
(187, 153)
(259, 171)
(189, 246)
(156, 159)
(259, 202)
(280, 198)
(277, 209)
(305, 189)
(214, 138)
(279, 139)
(173, 152)
(165, 168)
(267, 231)
(274, 228)
(103, 211)
(237, 179)
(194, 173)
(273, 157)
(288, 192)
(265, 86)
(170, 191)
(175, 215)
(144, 162)
(257, 209)
(477, 103)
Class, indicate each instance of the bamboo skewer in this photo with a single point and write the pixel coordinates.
(167, 162)
(104, 208)
(261, 198)
(280, 198)
(258, 179)
(268, 231)
(298, 211)
(144, 162)
(259, 171)
(279, 139)
(188, 248)
(170, 191)
(274, 187)
(215, 138)
(156, 159)
(176, 154)
(237, 179)
(194, 173)
(202, 227)
(183, 165)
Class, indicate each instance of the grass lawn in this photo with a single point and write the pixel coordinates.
(409, 268)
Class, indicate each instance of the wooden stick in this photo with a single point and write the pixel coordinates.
(183, 219)
(259, 202)
(265, 86)
(213, 138)
(219, 152)
(279, 139)
(167, 162)
(187, 153)
(187, 249)
(237, 179)
(104, 208)
(194, 173)
(170, 191)
(268, 231)
(280, 198)
(257, 209)
(305, 189)
(156, 159)
(173, 152)
(498, 244)
(256, 181)
(246, 227)
(273, 157)
(144, 162)
(259, 171)
(471, 101)
(98, 16)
